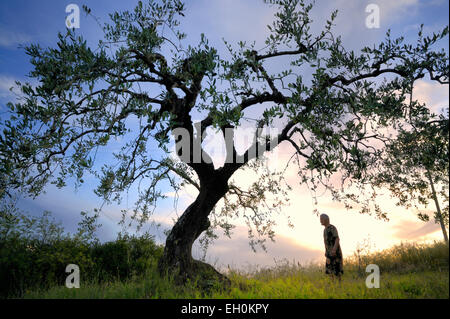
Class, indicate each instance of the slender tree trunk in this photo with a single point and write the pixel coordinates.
(177, 257)
(438, 208)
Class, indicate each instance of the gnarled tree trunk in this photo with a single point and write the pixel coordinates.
(177, 258)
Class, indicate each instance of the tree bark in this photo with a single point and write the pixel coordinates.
(438, 208)
(177, 257)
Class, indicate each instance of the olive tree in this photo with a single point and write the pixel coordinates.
(330, 104)
(415, 164)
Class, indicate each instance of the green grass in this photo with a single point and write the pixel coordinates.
(407, 271)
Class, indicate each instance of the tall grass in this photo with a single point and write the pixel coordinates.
(408, 257)
(407, 271)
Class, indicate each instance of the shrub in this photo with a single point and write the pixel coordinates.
(34, 253)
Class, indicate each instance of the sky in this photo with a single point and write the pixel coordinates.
(24, 22)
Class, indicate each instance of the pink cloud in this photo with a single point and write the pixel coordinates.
(435, 95)
(411, 230)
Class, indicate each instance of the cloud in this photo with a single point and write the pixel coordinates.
(6, 82)
(397, 9)
(11, 39)
(433, 94)
(390, 11)
(414, 230)
(232, 20)
(350, 22)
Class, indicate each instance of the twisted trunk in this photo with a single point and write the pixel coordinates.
(177, 257)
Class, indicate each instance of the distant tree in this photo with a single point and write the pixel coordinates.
(415, 166)
(140, 83)
(16, 224)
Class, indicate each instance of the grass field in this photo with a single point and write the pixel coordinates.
(406, 271)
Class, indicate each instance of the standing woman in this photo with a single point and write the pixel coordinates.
(333, 252)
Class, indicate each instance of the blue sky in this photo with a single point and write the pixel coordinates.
(24, 22)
